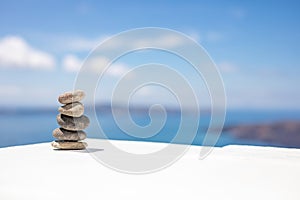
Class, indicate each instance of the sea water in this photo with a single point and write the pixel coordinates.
(27, 127)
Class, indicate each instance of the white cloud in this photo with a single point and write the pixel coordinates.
(96, 64)
(164, 41)
(79, 44)
(17, 53)
(117, 69)
(71, 63)
(76, 44)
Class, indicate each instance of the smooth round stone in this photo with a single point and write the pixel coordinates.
(63, 134)
(69, 145)
(75, 109)
(73, 123)
(70, 97)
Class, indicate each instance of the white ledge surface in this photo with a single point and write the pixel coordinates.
(232, 172)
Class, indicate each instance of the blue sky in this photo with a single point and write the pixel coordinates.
(255, 44)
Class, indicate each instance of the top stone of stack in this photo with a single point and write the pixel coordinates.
(70, 97)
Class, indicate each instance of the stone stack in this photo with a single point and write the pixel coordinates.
(72, 122)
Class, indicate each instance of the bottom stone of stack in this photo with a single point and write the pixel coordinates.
(70, 145)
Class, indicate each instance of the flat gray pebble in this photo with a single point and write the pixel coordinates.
(73, 123)
(70, 97)
(63, 134)
(75, 109)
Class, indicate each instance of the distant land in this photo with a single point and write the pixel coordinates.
(285, 133)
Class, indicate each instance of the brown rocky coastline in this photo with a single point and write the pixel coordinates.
(282, 133)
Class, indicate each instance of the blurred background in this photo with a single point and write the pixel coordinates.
(255, 45)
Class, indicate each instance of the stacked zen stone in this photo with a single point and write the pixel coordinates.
(72, 122)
